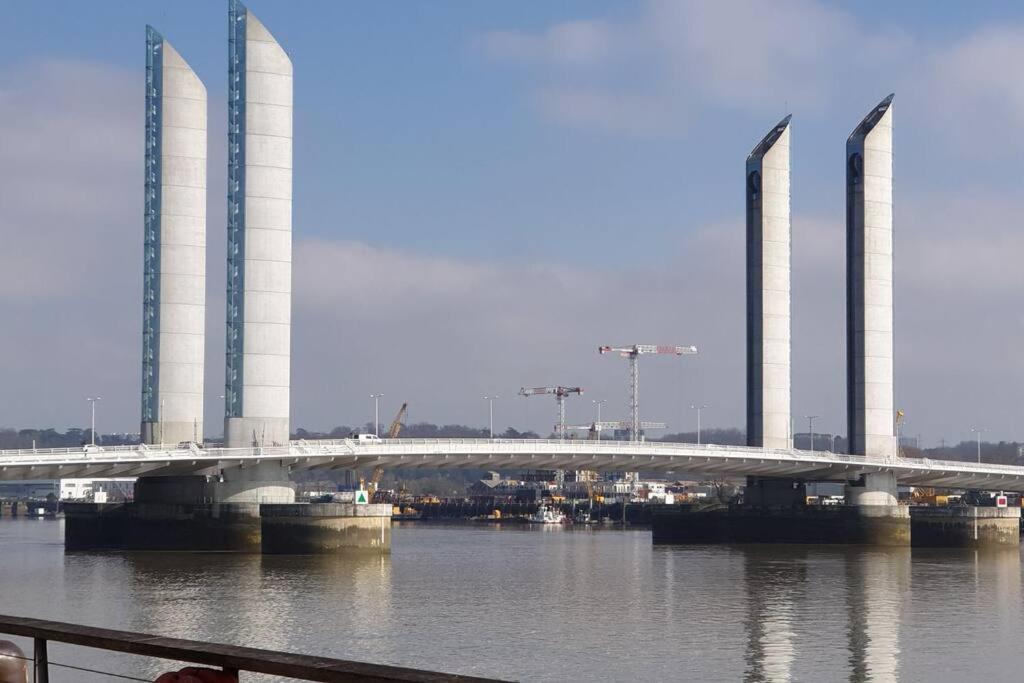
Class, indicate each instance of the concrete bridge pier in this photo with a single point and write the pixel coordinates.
(876, 517)
(241, 509)
(264, 482)
(965, 527)
(774, 510)
(774, 492)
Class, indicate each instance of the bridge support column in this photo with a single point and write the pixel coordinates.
(774, 492)
(265, 482)
(876, 517)
(873, 489)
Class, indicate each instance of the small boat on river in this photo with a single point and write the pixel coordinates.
(546, 514)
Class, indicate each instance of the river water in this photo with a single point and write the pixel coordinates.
(551, 604)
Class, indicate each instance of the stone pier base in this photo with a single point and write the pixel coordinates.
(319, 528)
(965, 527)
(854, 524)
(233, 527)
(228, 527)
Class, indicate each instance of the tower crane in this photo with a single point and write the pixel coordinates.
(633, 353)
(559, 393)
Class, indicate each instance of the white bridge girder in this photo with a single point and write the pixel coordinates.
(505, 454)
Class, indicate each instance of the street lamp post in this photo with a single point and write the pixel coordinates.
(597, 424)
(376, 413)
(978, 432)
(92, 431)
(160, 420)
(490, 401)
(810, 428)
(699, 409)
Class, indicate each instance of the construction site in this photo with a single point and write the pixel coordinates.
(582, 496)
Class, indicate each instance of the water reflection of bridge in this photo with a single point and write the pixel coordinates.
(802, 602)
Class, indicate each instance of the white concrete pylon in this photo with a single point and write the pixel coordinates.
(768, 290)
(174, 296)
(869, 276)
(257, 391)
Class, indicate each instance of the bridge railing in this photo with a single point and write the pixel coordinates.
(70, 450)
(463, 446)
(148, 453)
(648, 446)
(606, 444)
(231, 659)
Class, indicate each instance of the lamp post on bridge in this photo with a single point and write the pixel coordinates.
(597, 424)
(978, 432)
(490, 411)
(92, 430)
(699, 409)
(810, 428)
(376, 413)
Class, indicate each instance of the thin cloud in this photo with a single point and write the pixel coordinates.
(686, 55)
(975, 94)
(570, 44)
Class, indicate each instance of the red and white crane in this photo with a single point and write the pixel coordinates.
(559, 393)
(633, 353)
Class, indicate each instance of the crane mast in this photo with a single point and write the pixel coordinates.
(378, 471)
(559, 393)
(633, 353)
(396, 424)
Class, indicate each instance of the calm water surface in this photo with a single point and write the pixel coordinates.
(548, 604)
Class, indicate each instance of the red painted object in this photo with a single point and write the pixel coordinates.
(195, 674)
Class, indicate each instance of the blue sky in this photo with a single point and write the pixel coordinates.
(492, 190)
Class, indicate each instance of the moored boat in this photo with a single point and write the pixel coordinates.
(546, 514)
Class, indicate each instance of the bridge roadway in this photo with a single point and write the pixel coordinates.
(503, 454)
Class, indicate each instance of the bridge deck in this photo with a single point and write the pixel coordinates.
(504, 454)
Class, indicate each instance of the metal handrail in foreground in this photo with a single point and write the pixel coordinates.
(230, 658)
